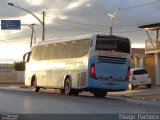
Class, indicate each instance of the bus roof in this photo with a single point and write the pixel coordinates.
(75, 38)
(64, 39)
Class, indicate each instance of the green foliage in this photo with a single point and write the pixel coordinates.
(132, 63)
(19, 66)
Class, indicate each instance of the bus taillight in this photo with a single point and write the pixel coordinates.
(93, 71)
(128, 74)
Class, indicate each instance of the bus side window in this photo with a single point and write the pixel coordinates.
(71, 49)
(54, 51)
(83, 48)
(45, 52)
(62, 50)
(38, 53)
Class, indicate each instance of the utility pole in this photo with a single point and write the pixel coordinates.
(43, 34)
(112, 16)
(32, 34)
(41, 22)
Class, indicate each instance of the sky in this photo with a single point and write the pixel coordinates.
(68, 18)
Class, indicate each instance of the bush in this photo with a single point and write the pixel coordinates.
(19, 66)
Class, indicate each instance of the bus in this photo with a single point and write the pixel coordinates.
(98, 63)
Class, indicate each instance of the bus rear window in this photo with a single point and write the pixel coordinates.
(107, 43)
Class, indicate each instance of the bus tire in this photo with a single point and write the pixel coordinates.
(67, 87)
(34, 86)
(131, 87)
(75, 92)
(99, 93)
(62, 91)
(148, 85)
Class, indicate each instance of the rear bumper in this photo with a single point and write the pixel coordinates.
(107, 85)
(140, 82)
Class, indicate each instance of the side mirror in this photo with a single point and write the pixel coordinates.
(26, 57)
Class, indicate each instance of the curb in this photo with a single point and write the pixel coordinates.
(154, 97)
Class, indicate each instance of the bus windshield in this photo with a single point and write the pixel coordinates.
(112, 43)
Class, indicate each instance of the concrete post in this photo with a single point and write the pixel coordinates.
(157, 69)
(136, 60)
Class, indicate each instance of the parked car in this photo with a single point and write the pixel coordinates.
(139, 77)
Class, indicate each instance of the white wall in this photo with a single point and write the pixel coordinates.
(9, 75)
(20, 76)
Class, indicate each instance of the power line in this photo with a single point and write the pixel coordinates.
(70, 24)
(133, 31)
(73, 26)
(141, 5)
(125, 8)
(131, 7)
(66, 22)
(10, 39)
(95, 25)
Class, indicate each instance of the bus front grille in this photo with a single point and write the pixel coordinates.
(113, 60)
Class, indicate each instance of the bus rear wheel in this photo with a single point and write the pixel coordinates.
(99, 93)
(34, 86)
(67, 87)
(131, 87)
(148, 85)
(62, 91)
(75, 92)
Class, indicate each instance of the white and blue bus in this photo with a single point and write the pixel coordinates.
(98, 63)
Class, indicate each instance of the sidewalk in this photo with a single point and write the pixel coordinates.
(143, 93)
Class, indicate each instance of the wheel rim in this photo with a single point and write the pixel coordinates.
(67, 87)
(130, 86)
(34, 85)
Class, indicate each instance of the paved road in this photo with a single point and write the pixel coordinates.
(55, 103)
(24, 101)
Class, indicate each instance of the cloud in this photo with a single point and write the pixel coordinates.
(76, 4)
(35, 2)
(73, 5)
(62, 15)
(13, 48)
(66, 18)
(29, 19)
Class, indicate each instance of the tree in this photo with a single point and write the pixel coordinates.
(19, 66)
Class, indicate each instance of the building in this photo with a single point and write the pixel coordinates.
(151, 61)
